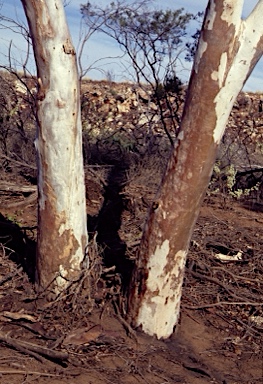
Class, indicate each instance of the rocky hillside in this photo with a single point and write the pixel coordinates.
(120, 117)
(120, 108)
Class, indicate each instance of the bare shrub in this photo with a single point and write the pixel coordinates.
(17, 124)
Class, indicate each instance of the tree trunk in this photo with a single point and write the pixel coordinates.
(228, 50)
(62, 228)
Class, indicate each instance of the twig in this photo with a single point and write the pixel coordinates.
(24, 372)
(197, 369)
(34, 350)
(126, 325)
(236, 277)
(11, 187)
(19, 162)
(221, 303)
(30, 199)
(17, 345)
(10, 275)
(215, 281)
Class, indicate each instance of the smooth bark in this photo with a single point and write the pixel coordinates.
(62, 231)
(228, 50)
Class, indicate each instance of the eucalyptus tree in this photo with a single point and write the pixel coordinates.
(62, 229)
(228, 50)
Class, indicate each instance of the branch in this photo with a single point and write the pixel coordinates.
(29, 200)
(202, 306)
(11, 187)
(18, 162)
(37, 351)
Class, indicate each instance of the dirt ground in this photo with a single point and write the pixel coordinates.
(83, 337)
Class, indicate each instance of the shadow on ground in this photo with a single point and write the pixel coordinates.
(108, 222)
(18, 246)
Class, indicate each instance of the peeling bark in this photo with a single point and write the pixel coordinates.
(62, 230)
(228, 50)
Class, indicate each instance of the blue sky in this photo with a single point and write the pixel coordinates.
(100, 47)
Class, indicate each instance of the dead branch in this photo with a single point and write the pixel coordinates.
(18, 162)
(15, 344)
(237, 277)
(124, 323)
(26, 372)
(37, 351)
(11, 187)
(27, 201)
(10, 275)
(202, 306)
(217, 282)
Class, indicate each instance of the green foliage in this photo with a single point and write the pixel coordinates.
(151, 38)
(14, 219)
(171, 85)
(225, 180)
(192, 44)
(153, 41)
(157, 27)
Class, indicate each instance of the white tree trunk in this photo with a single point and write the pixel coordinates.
(62, 229)
(228, 50)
